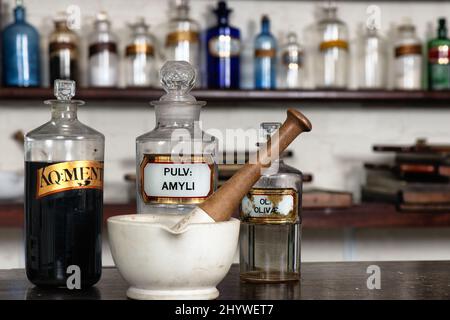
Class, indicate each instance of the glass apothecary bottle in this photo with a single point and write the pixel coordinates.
(265, 57)
(373, 60)
(291, 66)
(64, 197)
(223, 44)
(333, 51)
(439, 59)
(183, 37)
(63, 51)
(20, 48)
(140, 56)
(176, 162)
(271, 224)
(408, 58)
(103, 65)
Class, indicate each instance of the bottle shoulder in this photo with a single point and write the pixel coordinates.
(223, 30)
(167, 134)
(21, 28)
(64, 130)
(438, 42)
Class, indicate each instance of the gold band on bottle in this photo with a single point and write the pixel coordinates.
(408, 49)
(265, 53)
(325, 45)
(134, 49)
(70, 175)
(177, 36)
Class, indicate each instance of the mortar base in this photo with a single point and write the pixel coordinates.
(195, 294)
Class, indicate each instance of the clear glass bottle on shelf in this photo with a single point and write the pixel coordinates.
(291, 66)
(373, 60)
(183, 37)
(63, 51)
(64, 196)
(270, 235)
(176, 162)
(333, 51)
(103, 65)
(140, 56)
(408, 57)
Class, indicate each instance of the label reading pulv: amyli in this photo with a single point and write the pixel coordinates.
(70, 175)
(166, 181)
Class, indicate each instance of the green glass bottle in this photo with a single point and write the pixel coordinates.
(439, 59)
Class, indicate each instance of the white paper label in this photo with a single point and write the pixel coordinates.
(177, 180)
(270, 206)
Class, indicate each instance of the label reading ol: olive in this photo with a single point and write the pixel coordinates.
(270, 206)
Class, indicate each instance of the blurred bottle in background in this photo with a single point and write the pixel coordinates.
(265, 57)
(408, 57)
(291, 63)
(140, 56)
(332, 60)
(223, 51)
(438, 59)
(20, 48)
(103, 59)
(183, 37)
(372, 60)
(63, 51)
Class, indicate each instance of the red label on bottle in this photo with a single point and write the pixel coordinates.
(439, 55)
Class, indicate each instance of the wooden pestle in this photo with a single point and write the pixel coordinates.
(221, 205)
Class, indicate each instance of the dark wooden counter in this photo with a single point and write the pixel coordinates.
(368, 215)
(345, 280)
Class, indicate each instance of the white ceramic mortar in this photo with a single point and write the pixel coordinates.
(158, 263)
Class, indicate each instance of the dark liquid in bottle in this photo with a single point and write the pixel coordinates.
(63, 68)
(62, 229)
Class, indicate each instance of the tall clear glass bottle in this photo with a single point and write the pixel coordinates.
(103, 58)
(265, 57)
(271, 224)
(140, 56)
(20, 48)
(63, 51)
(291, 66)
(408, 57)
(183, 37)
(64, 196)
(373, 60)
(332, 60)
(176, 162)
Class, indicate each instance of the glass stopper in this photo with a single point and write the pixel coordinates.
(64, 89)
(268, 128)
(177, 79)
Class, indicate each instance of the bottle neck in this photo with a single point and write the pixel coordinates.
(222, 19)
(19, 14)
(442, 32)
(265, 26)
(177, 116)
(65, 112)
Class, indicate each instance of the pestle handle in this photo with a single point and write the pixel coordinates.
(221, 205)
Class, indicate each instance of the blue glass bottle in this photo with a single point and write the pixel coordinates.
(223, 51)
(20, 52)
(265, 57)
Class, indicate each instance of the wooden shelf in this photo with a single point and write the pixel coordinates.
(380, 97)
(368, 215)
